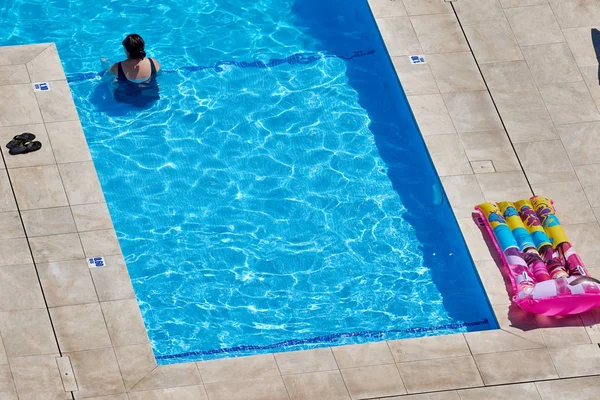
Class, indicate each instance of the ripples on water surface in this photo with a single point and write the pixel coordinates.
(263, 208)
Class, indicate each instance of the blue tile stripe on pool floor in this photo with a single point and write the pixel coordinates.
(298, 58)
(325, 339)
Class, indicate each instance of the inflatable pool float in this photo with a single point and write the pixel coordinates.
(547, 275)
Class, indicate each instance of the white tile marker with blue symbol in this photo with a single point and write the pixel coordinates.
(41, 87)
(417, 59)
(96, 262)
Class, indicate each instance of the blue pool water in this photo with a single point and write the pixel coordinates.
(279, 196)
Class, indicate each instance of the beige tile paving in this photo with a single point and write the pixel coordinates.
(581, 141)
(3, 357)
(253, 389)
(68, 142)
(196, 392)
(14, 55)
(497, 341)
(112, 282)
(326, 385)
(135, 363)
(80, 327)
(363, 355)
(97, 373)
(18, 106)
(472, 12)
(463, 191)
(415, 79)
(582, 388)
(387, 8)
(46, 66)
(229, 369)
(7, 387)
(428, 348)
(11, 225)
(534, 25)
(37, 377)
(20, 287)
(373, 381)
(7, 200)
(569, 103)
(448, 155)
(447, 395)
(171, 376)
(423, 7)
(124, 322)
(545, 162)
(493, 42)
(590, 76)
(440, 374)
(552, 63)
(81, 183)
(491, 146)
(295, 362)
(27, 333)
(580, 43)
(587, 239)
(103, 242)
(574, 13)
(507, 392)
(577, 360)
(472, 111)
(465, 75)
(431, 114)
(56, 248)
(48, 221)
(67, 283)
(504, 185)
(587, 175)
(91, 217)
(439, 33)
(515, 366)
(13, 75)
(399, 36)
(57, 104)
(38, 187)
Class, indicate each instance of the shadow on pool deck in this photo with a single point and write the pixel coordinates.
(402, 148)
(596, 43)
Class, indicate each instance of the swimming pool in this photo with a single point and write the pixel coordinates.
(279, 196)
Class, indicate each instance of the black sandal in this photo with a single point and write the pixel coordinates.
(19, 139)
(25, 147)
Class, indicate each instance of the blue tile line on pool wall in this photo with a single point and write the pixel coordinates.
(324, 339)
(298, 58)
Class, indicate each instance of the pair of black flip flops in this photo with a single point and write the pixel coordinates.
(23, 144)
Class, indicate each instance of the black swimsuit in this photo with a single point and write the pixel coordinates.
(134, 93)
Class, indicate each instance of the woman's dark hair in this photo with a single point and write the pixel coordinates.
(134, 44)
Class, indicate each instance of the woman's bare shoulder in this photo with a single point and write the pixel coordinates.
(114, 69)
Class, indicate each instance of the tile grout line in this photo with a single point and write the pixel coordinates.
(474, 359)
(278, 369)
(492, 97)
(33, 260)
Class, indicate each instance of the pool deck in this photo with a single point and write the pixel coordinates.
(508, 103)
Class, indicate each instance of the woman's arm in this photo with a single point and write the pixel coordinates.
(108, 72)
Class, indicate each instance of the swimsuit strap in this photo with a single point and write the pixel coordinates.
(152, 67)
(121, 73)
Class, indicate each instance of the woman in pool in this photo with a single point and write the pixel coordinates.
(135, 81)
